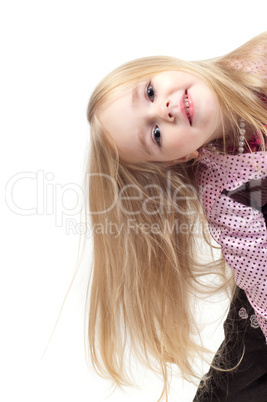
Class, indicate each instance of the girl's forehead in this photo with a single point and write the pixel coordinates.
(118, 95)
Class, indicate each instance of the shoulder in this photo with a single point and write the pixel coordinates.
(256, 66)
(250, 57)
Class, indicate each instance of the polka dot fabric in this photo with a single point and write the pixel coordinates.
(257, 65)
(239, 229)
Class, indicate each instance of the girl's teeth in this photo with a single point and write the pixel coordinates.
(186, 103)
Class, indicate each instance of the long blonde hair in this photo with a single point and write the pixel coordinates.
(147, 221)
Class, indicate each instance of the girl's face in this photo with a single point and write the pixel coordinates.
(164, 119)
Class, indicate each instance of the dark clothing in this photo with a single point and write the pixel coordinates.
(243, 335)
(248, 382)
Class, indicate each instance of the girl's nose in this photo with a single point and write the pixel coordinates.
(167, 110)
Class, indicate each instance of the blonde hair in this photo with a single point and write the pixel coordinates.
(143, 279)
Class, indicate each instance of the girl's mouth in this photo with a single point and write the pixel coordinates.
(187, 107)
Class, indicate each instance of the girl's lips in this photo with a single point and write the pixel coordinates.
(183, 108)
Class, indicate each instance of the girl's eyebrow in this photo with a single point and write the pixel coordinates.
(141, 131)
(135, 95)
(142, 139)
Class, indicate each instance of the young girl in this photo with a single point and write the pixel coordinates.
(170, 140)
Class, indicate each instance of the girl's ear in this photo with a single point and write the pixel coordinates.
(186, 158)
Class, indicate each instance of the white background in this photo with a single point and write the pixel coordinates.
(53, 53)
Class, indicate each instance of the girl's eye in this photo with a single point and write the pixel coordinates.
(150, 92)
(156, 135)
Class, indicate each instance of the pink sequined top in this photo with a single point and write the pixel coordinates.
(239, 230)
